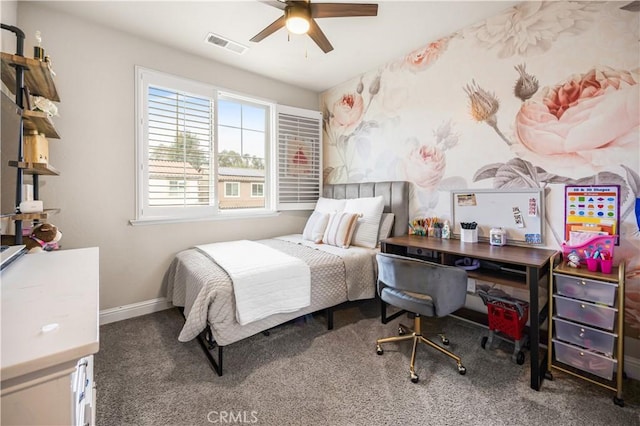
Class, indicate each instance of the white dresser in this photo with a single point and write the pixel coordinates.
(49, 323)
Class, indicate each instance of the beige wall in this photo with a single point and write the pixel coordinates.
(96, 188)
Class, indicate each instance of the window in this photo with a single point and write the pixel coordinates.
(257, 190)
(176, 187)
(197, 145)
(232, 189)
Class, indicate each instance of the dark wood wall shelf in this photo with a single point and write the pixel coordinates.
(23, 77)
(38, 78)
(44, 169)
(40, 122)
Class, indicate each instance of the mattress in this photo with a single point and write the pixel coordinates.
(194, 281)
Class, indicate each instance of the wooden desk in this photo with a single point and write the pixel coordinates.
(518, 267)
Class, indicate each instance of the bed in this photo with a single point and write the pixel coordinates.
(205, 291)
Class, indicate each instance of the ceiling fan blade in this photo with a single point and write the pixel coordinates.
(318, 36)
(335, 10)
(275, 3)
(272, 28)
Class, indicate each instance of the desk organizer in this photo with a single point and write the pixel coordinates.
(469, 235)
(600, 243)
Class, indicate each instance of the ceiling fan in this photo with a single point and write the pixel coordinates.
(299, 18)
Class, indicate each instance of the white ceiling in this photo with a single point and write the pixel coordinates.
(360, 43)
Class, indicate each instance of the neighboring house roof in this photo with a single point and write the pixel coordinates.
(173, 169)
(237, 171)
(161, 169)
(236, 174)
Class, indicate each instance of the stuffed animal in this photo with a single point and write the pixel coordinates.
(44, 236)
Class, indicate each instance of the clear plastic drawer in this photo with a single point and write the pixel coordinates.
(585, 360)
(585, 289)
(585, 312)
(584, 336)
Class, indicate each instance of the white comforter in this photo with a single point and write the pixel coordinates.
(265, 281)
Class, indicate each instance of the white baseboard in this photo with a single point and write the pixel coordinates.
(133, 310)
(632, 367)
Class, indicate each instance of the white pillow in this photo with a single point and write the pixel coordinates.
(315, 227)
(330, 205)
(366, 234)
(340, 229)
(386, 225)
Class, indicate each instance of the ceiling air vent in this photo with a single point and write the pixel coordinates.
(225, 43)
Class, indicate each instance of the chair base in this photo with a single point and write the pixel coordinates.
(415, 334)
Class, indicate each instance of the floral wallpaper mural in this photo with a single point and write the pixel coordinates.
(543, 95)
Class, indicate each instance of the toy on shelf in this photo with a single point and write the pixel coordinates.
(43, 237)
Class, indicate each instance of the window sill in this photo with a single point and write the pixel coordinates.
(220, 216)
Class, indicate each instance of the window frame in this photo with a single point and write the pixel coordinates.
(236, 184)
(145, 213)
(261, 184)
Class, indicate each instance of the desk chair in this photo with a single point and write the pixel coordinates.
(421, 288)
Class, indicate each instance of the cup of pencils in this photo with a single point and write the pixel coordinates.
(469, 232)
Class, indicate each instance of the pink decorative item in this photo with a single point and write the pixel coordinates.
(592, 264)
(600, 243)
(606, 266)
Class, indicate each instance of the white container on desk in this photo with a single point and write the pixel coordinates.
(469, 235)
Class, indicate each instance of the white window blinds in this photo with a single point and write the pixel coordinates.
(299, 158)
(179, 148)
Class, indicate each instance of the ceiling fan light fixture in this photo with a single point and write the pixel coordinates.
(297, 20)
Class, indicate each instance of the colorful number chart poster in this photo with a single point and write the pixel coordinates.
(591, 210)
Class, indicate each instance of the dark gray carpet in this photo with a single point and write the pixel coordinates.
(303, 374)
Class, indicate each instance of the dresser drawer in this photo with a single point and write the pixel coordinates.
(584, 336)
(585, 312)
(585, 360)
(585, 289)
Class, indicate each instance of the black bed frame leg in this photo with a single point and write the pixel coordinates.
(329, 318)
(216, 365)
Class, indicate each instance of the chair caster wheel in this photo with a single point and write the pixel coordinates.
(520, 358)
(379, 350)
(483, 342)
(618, 401)
(401, 331)
(414, 378)
(462, 370)
(548, 375)
(445, 341)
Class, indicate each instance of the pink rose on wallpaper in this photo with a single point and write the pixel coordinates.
(590, 119)
(420, 59)
(347, 112)
(425, 166)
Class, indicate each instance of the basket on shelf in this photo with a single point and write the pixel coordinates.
(598, 243)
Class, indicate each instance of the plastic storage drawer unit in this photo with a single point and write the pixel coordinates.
(585, 360)
(584, 336)
(585, 312)
(585, 289)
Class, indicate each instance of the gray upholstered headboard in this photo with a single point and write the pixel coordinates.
(396, 198)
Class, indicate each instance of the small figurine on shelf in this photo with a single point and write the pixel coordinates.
(38, 51)
(573, 260)
(446, 230)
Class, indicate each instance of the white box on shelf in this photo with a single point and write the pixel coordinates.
(33, 206)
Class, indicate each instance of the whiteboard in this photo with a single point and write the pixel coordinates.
(494, 208)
